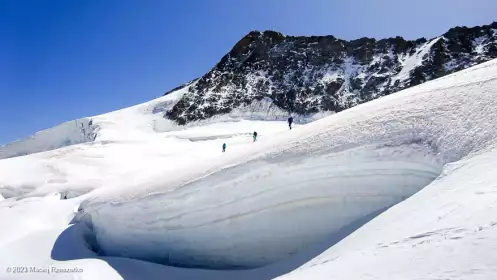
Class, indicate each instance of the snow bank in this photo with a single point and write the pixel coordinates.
(261, 212)
(69, 133)
(445, 231)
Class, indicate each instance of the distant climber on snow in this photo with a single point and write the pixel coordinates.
(255, 136)
(290, 121)
(224, 147)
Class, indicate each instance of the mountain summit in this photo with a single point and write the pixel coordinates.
(306, 75)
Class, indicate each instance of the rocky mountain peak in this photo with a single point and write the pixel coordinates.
(306, 75)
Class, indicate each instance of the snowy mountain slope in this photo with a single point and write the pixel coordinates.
(267, 76)
(445, 231)
(174, 198)
(307, 75)
(347, 166)
(98, 128)
(75, 169)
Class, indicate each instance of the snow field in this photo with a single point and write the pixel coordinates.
(221, 229)
(173, 198)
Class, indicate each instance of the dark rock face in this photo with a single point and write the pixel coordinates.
(306, 75)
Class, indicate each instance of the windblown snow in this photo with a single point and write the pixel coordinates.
(402, 187)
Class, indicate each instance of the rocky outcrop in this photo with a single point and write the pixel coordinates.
(307, 75)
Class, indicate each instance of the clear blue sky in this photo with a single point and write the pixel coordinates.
(63, 60)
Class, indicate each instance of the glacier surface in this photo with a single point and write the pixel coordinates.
(146, 198)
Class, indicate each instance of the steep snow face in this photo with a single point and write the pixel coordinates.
(69, 133)
(445, 231)
(307, 75)
(263, 211)
(409, 63)
(259, 110)
(264, 202)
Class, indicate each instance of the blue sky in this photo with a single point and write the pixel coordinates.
(62, 60)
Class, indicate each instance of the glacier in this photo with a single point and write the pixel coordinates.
(147, 198)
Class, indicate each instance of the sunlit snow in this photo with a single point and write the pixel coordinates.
(143, 198)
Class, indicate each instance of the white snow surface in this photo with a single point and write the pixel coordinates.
(69, 133)
(411, 62)
(148, 195)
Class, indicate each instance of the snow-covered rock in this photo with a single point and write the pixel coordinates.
(306, 75)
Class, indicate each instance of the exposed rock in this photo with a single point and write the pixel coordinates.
(306, 75)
